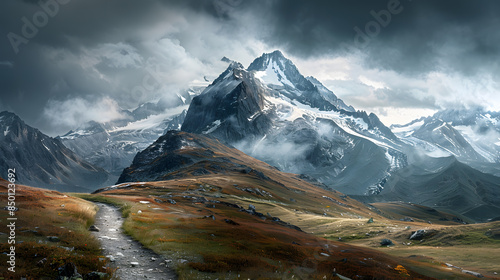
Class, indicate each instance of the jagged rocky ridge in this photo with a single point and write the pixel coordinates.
(272, 112)
(179, 154)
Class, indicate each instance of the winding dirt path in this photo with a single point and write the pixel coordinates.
(131, 259)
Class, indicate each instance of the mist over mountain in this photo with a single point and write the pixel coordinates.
(272, 112)
(471, 135)
(113, 145)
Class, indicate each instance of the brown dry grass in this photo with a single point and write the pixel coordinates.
(255, 248)
(40, 215)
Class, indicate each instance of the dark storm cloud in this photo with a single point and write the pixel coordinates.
(424, 35)
(79, 52)
(98, 53)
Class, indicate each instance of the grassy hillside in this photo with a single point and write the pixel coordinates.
(211, 236)
(51, 230)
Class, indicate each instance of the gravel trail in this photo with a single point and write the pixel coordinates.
(132, 260)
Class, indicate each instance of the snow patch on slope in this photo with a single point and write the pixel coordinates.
(475, 139)
(213, 127)
(290, 111)
(273, 75)
(405, 131)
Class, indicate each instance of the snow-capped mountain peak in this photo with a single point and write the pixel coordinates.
(280, 74)
(275, 69)
(271, 111)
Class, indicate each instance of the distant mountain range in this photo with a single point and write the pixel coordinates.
(271, 112)
(472, 136)
(42, 161)
(113, 145)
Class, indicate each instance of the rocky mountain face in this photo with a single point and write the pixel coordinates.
(42, 161)
(112, 146)
(179, 155)
(273, 113)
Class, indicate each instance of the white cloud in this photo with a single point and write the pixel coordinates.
(118, 55)
(398, 97)
(71, 113)
(9, 64)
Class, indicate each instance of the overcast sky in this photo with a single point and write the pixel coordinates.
(64, 62)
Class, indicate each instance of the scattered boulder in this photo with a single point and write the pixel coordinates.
(452, 266)
(417, 235)
(94, 228)
(30, 231)
(386, 242)
(134, 264)
(458, 220)
(69, 272)
(370, 221)
(495, 234)
(53, 238)
(231, 222)
(421, 234)
(41, 262)
(477, 274)
(171, 201)
(407, 219)
(95, 276)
